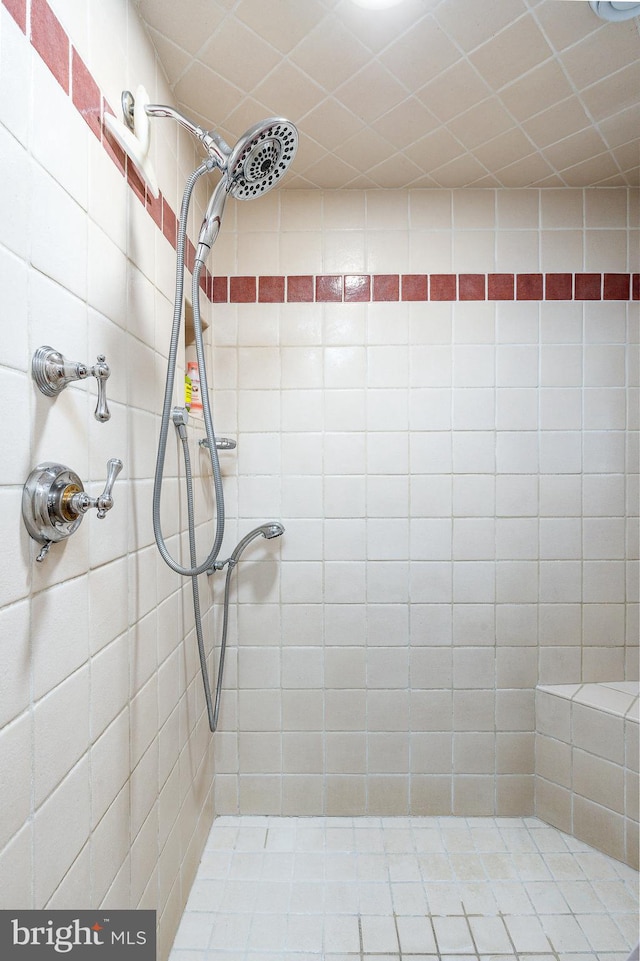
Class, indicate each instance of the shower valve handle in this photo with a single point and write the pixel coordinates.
(52, 372)
(79, 502)
(54, 502)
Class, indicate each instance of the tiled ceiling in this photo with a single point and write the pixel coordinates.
(431, 93)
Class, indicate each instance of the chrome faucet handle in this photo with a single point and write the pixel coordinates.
(79, 502)
(52, 372)
(101, 372)
(54, 502)
(105, 501)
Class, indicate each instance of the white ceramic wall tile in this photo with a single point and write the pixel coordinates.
(15, 195)
(13, 277)
(56, 849)
(54, 119)
(366, 427)
(58, 242)
(78, 251)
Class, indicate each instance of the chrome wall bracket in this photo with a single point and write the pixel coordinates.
(54, 502)
(127, 103)
(52, 372)
(222, 443)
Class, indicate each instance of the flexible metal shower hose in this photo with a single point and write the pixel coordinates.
(207, 564)
(212, 711)
(195, 590)
(195, 569)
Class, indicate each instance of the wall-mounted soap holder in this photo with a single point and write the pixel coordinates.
(52, 372)
(54, 502)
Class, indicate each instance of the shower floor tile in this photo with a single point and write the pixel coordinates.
(405, 889)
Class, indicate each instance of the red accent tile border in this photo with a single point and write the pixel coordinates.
(588, 286)
(85, 93)
(154, 208)
(616, 287)
(242, 290)
(358, 288)
(329, 288)
(529, 287)
(110, 144)
(169, 223)
(442, 286)
(471, 287)
(220, 290)
(558, 287)
(50, 41)
(300, 289)
(415, 287)
(500, 287)
(386, 287)
(136, 182)
(18, 10)
(271, 290)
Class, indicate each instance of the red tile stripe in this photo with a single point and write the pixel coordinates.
(51, 42)
(500, 286)
(85, 93)
(18, 10)
(369, 288)
(357, 288)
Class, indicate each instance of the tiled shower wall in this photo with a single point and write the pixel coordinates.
(453, 476)
(106, 758)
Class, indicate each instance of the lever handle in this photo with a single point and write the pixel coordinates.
(105, 500)
(101, 372)
(52, 372)
(77, 502)
(54, 502)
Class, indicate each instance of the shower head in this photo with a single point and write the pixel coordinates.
(272, 529)
(258, 160)
(253, 167)
(261, 157)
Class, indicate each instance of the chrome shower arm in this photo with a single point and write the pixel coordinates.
(216, 146)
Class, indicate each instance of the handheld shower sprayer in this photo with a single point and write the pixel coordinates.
(255, 165)
(258, 160)
(268, 531)
(212, 221)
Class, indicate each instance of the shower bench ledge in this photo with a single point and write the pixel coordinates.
(586, 767)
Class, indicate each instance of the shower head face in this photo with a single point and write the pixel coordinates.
(261, 157)
(274, 529)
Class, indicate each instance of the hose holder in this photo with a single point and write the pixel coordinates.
(52, 372)
(54, 502)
